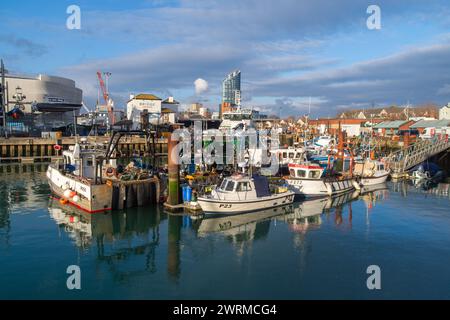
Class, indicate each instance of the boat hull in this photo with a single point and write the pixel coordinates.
(215, 206)
(370, 181)
(319, 187)
(92, 198)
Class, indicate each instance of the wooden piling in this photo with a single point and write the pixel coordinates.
(174, 173)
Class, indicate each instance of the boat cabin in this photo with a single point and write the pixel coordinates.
(238, 187)
(81, 161)
(305, 171)
(369, 168)
(288, 155)
(324, 141)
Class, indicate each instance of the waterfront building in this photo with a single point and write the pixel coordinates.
(42, 93)
(40, 103)
(144, 102)
(422, 125)
(170, 108)
(444, 112)
(390, 128)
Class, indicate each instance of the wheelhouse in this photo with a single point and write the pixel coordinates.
(235, 185)
(305, 171)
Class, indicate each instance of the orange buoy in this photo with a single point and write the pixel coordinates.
(72, 194)
(63, 201)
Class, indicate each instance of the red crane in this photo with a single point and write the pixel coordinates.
(103, 87)
(106, 96)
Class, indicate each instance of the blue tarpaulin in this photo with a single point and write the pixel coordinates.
(261, 186)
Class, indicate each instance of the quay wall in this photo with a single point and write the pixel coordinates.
(35, 150)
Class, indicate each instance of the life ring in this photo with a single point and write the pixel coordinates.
(110, 172)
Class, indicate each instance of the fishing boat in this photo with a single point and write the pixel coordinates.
(244, 193)
(89, 178)
(75, 181)
(370, 172)
(308, 179)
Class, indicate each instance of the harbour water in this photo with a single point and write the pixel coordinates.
(313, 250)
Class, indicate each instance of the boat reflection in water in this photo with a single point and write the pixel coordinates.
(298, 215)
(307, 214)
(133, 239)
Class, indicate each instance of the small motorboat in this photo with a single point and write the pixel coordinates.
(243, 193)
(370, 172)
(427, 171)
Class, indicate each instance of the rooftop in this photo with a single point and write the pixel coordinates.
(167, 110)
(170, 101)
(390, 124)
(145, 96)
(431, 124)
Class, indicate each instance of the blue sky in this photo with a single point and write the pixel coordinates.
(287, 50)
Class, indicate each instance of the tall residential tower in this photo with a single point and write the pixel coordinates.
(231, 88)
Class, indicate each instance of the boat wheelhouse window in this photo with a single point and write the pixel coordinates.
(243, 186)
(89, 163)
(230, 186)
(223, 184)
(381, 167)
(291, 155)
(314, 174)
(297, 155)
(285, 155)
(301, 173)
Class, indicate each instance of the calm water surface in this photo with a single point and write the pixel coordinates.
(311, 250)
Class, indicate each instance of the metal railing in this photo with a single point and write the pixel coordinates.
(403, 160)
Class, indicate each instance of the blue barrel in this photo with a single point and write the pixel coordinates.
(184, 192)
(188, 194)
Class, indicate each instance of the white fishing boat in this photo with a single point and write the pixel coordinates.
(88, 178)
(308, 180)
(76, 181)
(243, 193)
(370, 172)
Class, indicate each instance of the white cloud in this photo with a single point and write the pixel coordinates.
(201, 86)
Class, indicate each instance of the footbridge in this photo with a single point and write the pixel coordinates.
(405, 159)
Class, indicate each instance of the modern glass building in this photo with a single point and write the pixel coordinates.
(231, 88)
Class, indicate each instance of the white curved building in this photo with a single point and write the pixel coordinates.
(42, 93)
